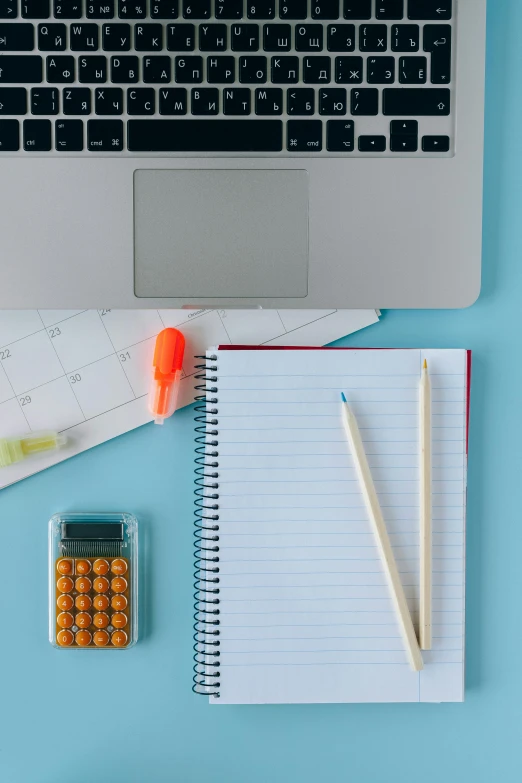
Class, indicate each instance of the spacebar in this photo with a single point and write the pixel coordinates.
(205, 135)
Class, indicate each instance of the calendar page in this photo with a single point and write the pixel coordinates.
(87, 372)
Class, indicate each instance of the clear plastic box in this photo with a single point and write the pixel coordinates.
(93, 581)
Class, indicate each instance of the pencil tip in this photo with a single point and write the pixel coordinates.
(343, 398)
(425, 365)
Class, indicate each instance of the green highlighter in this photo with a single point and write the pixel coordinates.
(17, 449)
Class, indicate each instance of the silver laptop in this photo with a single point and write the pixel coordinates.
(241, 153)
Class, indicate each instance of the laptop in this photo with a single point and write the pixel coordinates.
(241, 153)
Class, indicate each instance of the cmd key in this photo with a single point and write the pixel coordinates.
(205, 135)
(19, 69)
(410, 102)
(16, 37)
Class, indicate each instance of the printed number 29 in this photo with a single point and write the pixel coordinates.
(25, 400)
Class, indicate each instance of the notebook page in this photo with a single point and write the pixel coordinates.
(305, 613)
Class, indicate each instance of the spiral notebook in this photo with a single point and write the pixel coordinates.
(292, 604)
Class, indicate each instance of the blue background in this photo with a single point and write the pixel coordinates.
(112, 718)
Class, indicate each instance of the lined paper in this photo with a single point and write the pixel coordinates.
(305, 613)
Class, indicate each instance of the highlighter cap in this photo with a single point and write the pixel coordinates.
(167, 368)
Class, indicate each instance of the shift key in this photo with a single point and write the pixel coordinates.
(19, 69)
(421, 102)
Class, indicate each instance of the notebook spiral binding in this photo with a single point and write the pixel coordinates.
(206, 545)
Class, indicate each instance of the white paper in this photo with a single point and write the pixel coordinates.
(305, 613)
(88, 372)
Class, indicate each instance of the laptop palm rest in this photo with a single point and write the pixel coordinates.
(202, 233)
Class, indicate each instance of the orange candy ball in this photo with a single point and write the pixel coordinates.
(65, 638)
(119, 584)
(65, 584)
(100, 602)
(119, 638)
(101, 585)
(83, 567)
(119, 602)
(100, 567)
(83, 619)
(83, 602)
(119, 620)
(83, 584)
(101, 638)
(118, 566)
(65, 602)
(65, 620)
(83, 638)
(64, 566)
(101, 620)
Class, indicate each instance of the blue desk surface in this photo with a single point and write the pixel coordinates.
(132, 718)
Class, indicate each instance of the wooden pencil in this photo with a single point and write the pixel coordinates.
(425, 510)
(381, 536)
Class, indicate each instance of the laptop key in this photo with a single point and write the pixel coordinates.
(357, 9)
(164, 9)
(429, 9)
(269, 101)
(285, 70)
(141, 100)
(260, 9)
(92, 69)
(37, 135)
(196, 9)
(76, 100)
(437, 40)
(132, 9)
(389, 9)
(404, 143)
(157, 70)
(148, 37)
(236, 100)
(181, 37)
(340, 135)
(435, 143)
(304, 135)
(325, 9)
(104, 135)
(381, 70)
(125, 69)
(300, 101)
(412, 70)
(244, 37)
(341, 38)
(9, 136)
(411, 101)
(189, 69)
(8, 9)
(252, 70)
(60, 68)
(373, 38)
(116, 37)
(349, 70)
(45, 100)
(277, 37)
(68, 9)
(229, 9)
(17, 37)
(35, 9)
(68, 135)
(221, 70)
(365, 101)
(52, 37)
(309, 38)
(405, 38)
(173, 100)
(332, 100)
(108, 100)
(316, 70)
(83, 37)
(293, 9)
(19, 69)
(212, 37)
(13, 100)
(205, 100)
(404, 128)
(100, 9)
(372, 143)
(208, 135)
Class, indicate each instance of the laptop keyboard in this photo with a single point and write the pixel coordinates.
(318, 78)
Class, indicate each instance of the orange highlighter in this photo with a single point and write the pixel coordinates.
(167, 363)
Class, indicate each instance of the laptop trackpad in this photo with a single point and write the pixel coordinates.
(201, 234)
